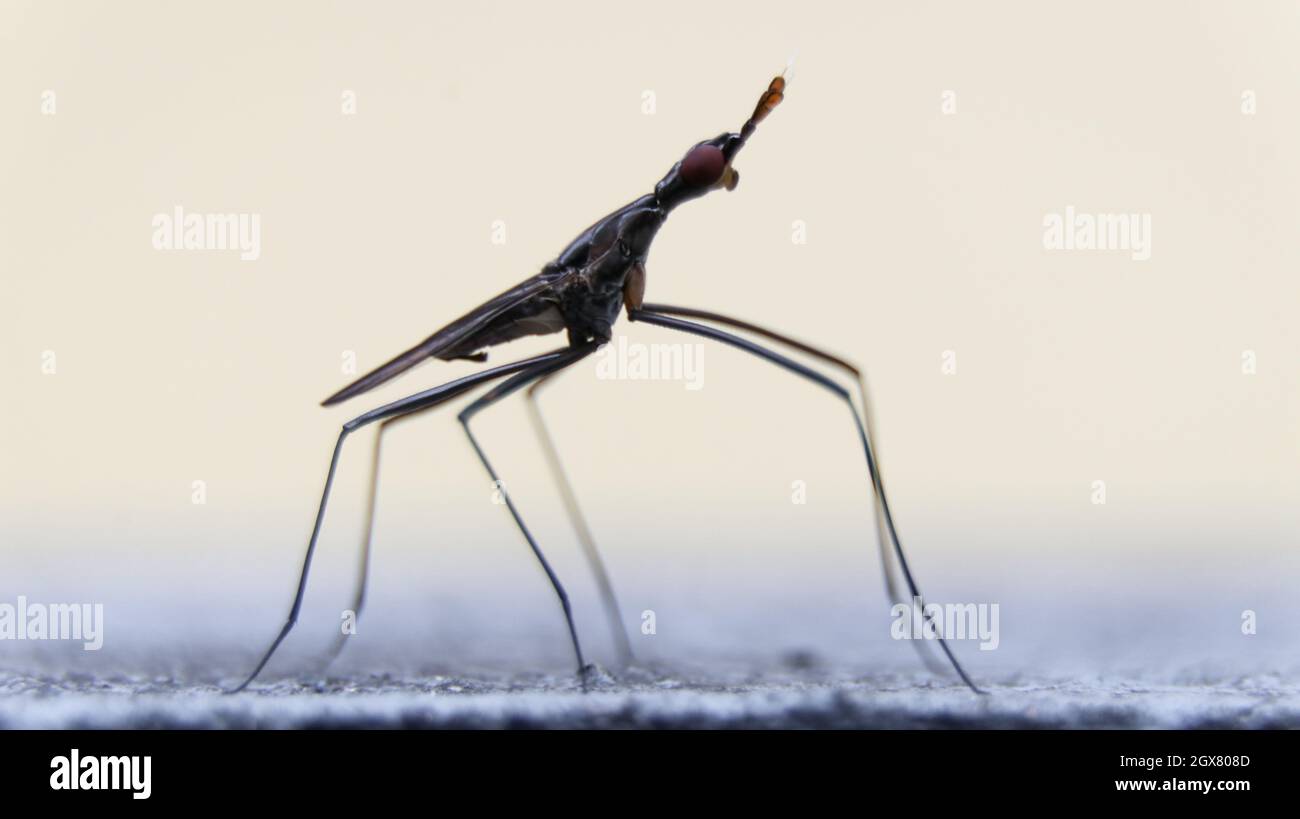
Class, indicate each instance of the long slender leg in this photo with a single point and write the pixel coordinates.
(579, 522)
(817, 378)
(367, 545)
(491, 397)
(414, 403)
(363, 570)
(889, 567)
(571, 505)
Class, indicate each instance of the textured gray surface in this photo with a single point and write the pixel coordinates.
(746, 637)
(643, 699)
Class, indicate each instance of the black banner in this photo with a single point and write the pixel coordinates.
(326, 769)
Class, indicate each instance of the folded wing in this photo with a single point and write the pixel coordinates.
(448, 338)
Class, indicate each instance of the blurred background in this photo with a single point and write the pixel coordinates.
(407, 161)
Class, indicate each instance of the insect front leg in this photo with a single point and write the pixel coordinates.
(884, 543)
(823, 381)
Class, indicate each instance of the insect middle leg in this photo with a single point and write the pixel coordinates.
(494, 395)
(405, 406)
(815, 377)
(579, 521)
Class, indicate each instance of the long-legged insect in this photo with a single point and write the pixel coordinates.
(581, 292)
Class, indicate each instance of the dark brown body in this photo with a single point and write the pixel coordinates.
(603, 269)
(588, 285)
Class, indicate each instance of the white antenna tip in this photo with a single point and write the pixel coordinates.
(788, 73)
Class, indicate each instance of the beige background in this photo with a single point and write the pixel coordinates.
(923, 235)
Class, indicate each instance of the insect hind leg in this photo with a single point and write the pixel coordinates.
(405, 406)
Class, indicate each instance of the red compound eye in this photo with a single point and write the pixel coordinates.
(703, 165)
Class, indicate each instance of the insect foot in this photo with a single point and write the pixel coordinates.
(593, 676)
